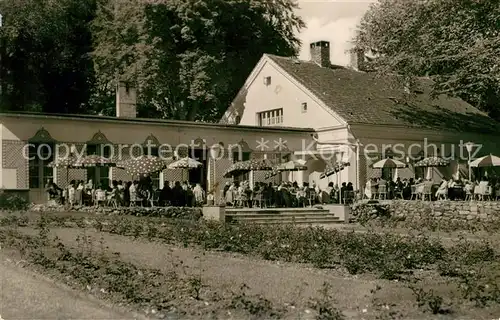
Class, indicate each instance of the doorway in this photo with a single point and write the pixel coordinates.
(40, 155)
(199, 175)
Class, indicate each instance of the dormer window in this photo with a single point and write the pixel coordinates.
(304, 107)
(267, 81)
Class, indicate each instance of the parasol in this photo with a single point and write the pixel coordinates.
(333, 168)
(432, 162)
(68, 162)
(486, 161)
(388, 163)
(249, 165)
(94, 161)
(143, 165)
(64, 162)
(292, 165)
(185, 163)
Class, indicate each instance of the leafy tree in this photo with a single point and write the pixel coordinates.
(188, 58)
(46, 64)
(456, 42)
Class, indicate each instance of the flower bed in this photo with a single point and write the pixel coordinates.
(164, 212)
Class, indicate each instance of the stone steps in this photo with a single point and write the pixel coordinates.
(318, 221)
(282, 216)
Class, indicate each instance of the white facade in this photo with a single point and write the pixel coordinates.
(270, 88)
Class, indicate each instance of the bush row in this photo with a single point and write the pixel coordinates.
(163, 212)
(389, 255)
(12, 202)
(474, 265)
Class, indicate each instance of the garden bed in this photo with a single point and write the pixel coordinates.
(417, 270)
(164, 212)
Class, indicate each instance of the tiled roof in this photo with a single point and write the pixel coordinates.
(369, 98)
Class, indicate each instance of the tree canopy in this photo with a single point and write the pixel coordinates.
(45, 48)
(189, 58)
(455, 42)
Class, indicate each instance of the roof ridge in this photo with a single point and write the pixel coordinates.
(363, 97)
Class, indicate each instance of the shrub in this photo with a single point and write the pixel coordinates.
(12, 202)
(428, 299)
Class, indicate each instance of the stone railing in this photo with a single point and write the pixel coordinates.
(432, 215)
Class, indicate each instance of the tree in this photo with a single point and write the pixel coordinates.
(189, 58)
(455, 42)
(46, 64)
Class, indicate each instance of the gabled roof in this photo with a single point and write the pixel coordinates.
(369, 98)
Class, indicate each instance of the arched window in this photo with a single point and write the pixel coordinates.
(151, 147)
(41, 153)
(99, 145)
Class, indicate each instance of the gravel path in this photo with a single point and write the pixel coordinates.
(27, 295)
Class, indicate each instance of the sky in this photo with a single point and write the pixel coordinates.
(331, 20)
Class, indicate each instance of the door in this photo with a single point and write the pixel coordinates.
(40, 155)
(199, 175)
(98, 175)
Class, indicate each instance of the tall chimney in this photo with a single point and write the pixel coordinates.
(126, 101)
(357, 59)
(320, 53)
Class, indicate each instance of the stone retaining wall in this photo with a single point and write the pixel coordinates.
(436, 214)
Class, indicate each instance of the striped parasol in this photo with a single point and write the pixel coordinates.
(249, 165)
(388, 163)
(94, 161)
(486, 161)
(143, 165)
(333, 168)
(292, 165)
(432, 162)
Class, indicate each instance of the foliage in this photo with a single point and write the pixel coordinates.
(45, 62)
(428, 299)
(324, 305)
(391, 256)
(181, 54)
(193, 213)
(12, 202)
(454, 42)
(473, 266)
(257, 306)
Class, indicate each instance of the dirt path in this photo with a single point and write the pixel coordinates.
(281, 283)
(26, 295)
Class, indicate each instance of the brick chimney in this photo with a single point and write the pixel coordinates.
(320, 53)
(126, 101)
(357, 59)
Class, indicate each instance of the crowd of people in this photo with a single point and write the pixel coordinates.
(127, 193)
(286, 194)
(412, 189)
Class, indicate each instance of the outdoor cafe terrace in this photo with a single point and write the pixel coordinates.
(244, 192)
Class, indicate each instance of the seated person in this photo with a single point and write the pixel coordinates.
(100, 196)
(442, 191)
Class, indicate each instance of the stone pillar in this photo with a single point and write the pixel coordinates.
(214, 213)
